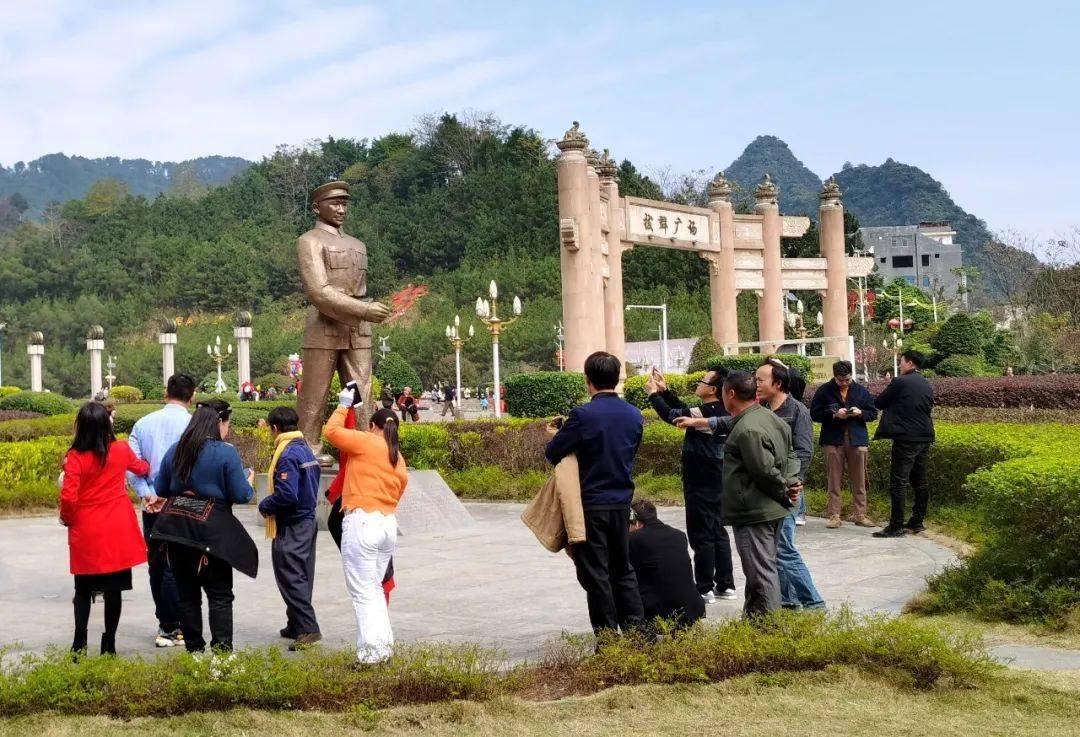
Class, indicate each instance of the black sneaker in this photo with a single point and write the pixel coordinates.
(890, 532)
(915, 527)
(287, 633)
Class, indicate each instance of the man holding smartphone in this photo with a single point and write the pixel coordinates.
(843, 407)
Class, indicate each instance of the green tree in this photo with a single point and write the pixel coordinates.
(958, 335)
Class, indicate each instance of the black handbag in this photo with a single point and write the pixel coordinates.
(207, 525)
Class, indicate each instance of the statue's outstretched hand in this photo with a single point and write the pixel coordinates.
(377, 312)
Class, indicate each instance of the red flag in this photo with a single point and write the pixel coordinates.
(336, 486)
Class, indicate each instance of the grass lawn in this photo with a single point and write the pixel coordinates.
(837, 702)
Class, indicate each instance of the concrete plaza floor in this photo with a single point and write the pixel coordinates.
(491, 583)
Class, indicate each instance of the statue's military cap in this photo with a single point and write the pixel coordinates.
(329, 190)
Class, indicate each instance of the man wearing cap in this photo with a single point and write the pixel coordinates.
(337, 337)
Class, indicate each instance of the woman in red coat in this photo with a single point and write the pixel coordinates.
(103, 534)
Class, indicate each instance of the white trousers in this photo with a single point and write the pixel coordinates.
(368, 540)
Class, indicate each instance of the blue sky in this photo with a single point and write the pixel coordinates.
(983, 95)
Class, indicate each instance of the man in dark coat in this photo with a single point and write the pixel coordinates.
(702, 479)
(662, 564)
(843, 407)
(604, 434)
(908, 402)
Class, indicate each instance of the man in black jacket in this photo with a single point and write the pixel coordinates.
(843, 407)
(604, 434)
(658, 553)
(702, 478)
(907, 402)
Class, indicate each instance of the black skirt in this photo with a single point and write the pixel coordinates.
(99, 583)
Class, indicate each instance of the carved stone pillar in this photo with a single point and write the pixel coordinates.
(614, 308)
(723, 308)
(95, 344)
(834, 302)
(242, 333)
(598, 248)
(771, 304)
(35, 348)
(167, 339)
(574, 250)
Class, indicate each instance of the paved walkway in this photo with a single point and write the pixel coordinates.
(491, 584)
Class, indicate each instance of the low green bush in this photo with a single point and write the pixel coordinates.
(123, 394)
(960, 364)
(902, 650)
(6, 391)
(13, 430)
(280, 382)
(46, 403)
(30, 462)
(749, 362)
(681, 384)
(544, 393)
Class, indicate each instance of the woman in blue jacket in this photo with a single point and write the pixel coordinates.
(204, 467)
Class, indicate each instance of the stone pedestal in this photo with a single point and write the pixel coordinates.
(427, 506)
(168, 356)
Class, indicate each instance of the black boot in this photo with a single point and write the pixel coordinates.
(78, 645)
(108, 644)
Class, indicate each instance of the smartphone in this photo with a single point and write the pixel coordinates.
(356, 392)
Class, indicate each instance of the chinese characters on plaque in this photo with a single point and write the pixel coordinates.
(645, 222)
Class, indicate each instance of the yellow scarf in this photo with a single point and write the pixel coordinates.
(280, 443)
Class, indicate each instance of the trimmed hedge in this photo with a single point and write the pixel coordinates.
(1051, 391)
(749, 362)
(46, 403)
(961, 365)
(7, 391)
(681, 384)
(124, 394)
(544, 393)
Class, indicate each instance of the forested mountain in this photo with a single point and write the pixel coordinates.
(898, 194)
(799, 187)
(452, 205)
(59, 178)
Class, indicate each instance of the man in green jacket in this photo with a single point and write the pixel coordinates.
(761, 485)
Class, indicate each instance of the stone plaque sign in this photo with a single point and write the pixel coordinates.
(794, 226)
(645, 223)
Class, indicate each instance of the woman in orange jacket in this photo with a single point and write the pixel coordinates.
(375, 479)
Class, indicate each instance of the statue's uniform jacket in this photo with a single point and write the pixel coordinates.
(337, 337)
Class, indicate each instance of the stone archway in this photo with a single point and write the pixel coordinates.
(596, 225)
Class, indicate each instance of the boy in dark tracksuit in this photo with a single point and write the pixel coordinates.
(702, 474)
(295, 494)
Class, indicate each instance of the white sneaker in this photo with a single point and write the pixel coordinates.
(709, 597)
(163, 640)
(800, 521)
(728, 594)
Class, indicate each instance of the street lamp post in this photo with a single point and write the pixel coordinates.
(110, 377)
(488, 312)
(897, 344)
(219, 357)
(384, 345)
(663, 331)
(560, 344)
(453, 334)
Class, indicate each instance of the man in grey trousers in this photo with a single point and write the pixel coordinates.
(761, 485)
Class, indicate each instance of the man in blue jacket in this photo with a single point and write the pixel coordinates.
(604, 434)
(296, 487)
(843, 407)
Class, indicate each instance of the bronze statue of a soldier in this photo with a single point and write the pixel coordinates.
(337, 337)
